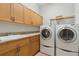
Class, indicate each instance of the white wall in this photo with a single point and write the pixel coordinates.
(13, 27)
(77, 13)
(32, 6)
(52, 10)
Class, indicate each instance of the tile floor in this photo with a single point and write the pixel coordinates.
(40, 54)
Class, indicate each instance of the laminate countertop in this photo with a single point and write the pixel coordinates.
(16, 37)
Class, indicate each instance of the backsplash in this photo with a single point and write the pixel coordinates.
(13, 27)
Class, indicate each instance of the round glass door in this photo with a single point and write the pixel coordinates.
(67, 35)
(45, 33)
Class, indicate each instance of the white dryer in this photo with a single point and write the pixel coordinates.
(67, 40)
(47, 40)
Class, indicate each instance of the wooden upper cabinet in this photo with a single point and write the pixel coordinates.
(27, 16)
(18, 13)
(36, 19)
(40, 20)
(5, 11)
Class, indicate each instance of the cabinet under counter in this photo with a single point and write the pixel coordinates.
(27, 46)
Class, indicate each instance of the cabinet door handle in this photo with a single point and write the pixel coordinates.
(18, 49)
(13, 19)
(32, 22)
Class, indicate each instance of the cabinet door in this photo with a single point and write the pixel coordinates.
(18, 13)
(37, 42)
(36, 19)
(34, 45)
(27, 16)
(9, 52)
(40, 20)
(32, 51)
(25, 50)
(5, 11)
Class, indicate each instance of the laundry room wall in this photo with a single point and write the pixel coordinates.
(49, 11)
(77, 13)
(33, 6)
(13, 27)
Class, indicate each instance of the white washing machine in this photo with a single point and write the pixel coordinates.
(47, 40)
(67, 40)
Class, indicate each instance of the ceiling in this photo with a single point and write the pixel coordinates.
(44, 4)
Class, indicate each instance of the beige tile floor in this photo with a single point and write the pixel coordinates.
(40, 54)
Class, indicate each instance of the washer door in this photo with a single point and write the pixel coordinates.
(46, 33)
(67, 35)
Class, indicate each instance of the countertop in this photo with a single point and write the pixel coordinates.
(16, 37)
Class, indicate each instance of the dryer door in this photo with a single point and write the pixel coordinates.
(67, 34)
(46, 34)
